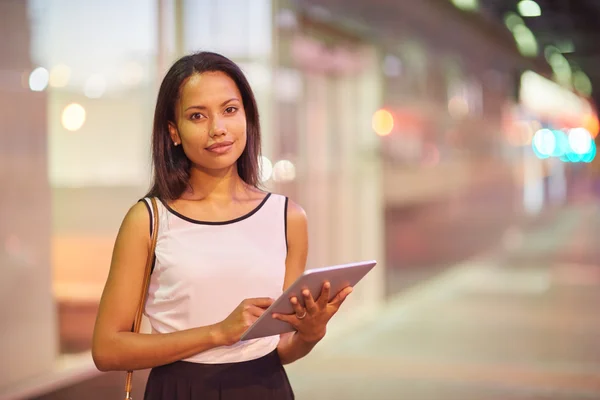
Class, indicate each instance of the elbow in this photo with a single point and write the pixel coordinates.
(101, 361)
(102, 356)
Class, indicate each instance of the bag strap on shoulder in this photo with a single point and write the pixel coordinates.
(144, 290)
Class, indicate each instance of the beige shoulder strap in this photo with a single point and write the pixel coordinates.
(144, 291)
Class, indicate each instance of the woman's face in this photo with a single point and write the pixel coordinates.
(210, 121)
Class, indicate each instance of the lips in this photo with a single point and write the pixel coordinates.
(220, 147)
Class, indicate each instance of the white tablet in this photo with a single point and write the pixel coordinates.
(339, 276)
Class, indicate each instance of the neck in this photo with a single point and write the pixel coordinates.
(221, 185)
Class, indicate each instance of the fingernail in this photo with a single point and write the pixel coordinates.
(327, 285)
(306, 293)
(294, 300)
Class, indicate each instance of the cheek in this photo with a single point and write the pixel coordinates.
(193, 133)
(243, 139)
(239, 129)
(239, 126)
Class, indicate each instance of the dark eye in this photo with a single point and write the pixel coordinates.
(195, 116)
(230, 110)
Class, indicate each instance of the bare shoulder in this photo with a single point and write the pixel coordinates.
(297, 241)
(120, 296)
(138, 211)
(295, 213)
(297, 223)
(137, 218)
(135, 227)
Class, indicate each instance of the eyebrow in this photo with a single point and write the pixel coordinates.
(204, 107)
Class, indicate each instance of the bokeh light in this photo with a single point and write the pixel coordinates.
(266, 168)
(458, 107)
(529, 8)
(284, 171)
(591, 124)
(580, 140)
(466, 5)
(590, 155)
(544, 143)
(38, 79)
(383, 122)
(575, 146)
(60, 75)
(73, 117)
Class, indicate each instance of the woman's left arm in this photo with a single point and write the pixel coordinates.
(311, 327)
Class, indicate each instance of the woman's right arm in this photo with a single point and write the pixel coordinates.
(115, 347)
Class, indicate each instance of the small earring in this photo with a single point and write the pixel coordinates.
(176, 144)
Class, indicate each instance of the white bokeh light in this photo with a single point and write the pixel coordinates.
(73, 117)
(284, 171)
(544, 141)
(38, 79)
(580, 140)
(266, 168)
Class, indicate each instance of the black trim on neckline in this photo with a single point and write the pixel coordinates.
(231, 221)
(285, 212)
(151, 229)
(149, 214)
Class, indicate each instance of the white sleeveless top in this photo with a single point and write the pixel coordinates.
(203, 271)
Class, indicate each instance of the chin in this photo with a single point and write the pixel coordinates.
(207, 161)
(222, 163)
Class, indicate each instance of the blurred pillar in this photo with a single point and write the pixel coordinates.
(369, 201)
(179, 28)
(317, 200)
(341, 190)
(324, 126)
(346, 242)
(162, 51)
(28, 334)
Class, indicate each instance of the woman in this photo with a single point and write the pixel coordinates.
(225, 250)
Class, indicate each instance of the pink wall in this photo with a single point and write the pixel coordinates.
(28, 337)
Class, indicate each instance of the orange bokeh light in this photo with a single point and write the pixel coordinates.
(591, 124)
(383, 122)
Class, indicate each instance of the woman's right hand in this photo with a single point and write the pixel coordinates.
(233, 327)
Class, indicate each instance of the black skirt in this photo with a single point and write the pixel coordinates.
(260, 379)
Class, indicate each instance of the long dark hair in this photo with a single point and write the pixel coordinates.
(171, 167)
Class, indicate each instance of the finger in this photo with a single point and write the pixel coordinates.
(249, 319)
(324, 296)
(290, 319)
(254, 310)
(341, 296)
(298, 309)
(263, 302)
(309, 302)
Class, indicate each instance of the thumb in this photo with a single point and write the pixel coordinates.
(262, 302)
(341, 296)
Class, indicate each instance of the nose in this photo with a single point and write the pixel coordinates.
(218, 127)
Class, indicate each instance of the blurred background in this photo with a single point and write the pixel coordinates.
(452, 140)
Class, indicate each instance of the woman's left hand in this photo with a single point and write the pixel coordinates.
(311, 321)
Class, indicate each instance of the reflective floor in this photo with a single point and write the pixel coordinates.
(519, 322)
